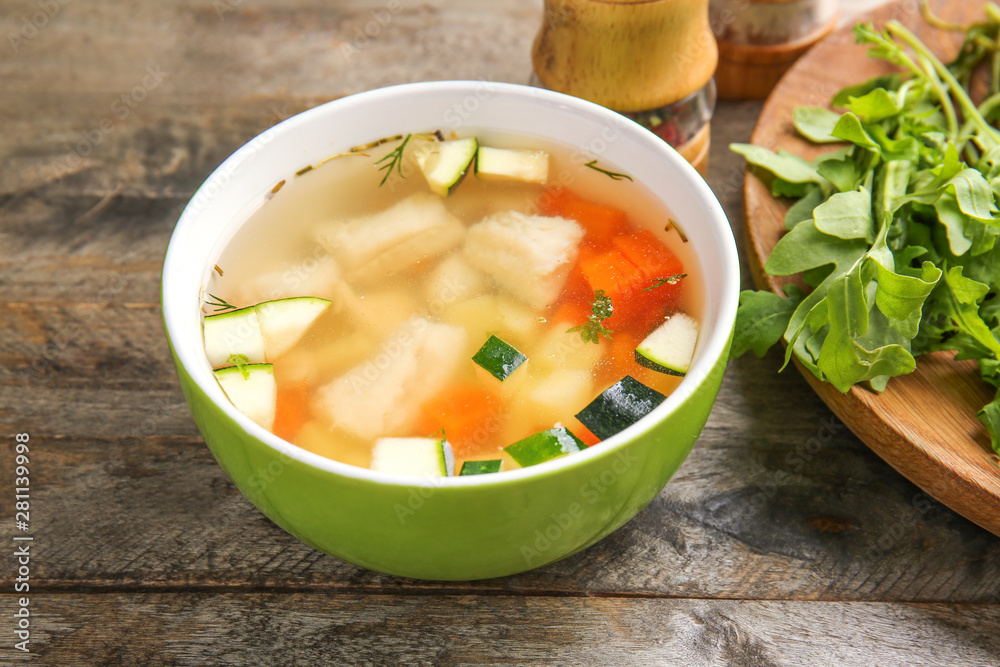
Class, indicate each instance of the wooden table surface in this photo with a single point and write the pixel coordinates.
(781, 541)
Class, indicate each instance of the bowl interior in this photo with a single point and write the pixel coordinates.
(242, 181)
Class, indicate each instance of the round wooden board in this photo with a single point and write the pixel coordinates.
(924, 424)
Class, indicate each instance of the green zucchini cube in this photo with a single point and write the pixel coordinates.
(619, 406)
(544, 446)
(480, 467)
(499, 358)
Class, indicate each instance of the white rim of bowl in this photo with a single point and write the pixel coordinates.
(192, 357)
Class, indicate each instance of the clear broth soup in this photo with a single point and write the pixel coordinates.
(352, 378)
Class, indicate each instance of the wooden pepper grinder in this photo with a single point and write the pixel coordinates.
(760, 39)
(651, 60)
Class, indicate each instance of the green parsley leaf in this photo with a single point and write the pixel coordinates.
(593, 329)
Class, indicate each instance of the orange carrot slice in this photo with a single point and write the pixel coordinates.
(468, 414)
(291, 410)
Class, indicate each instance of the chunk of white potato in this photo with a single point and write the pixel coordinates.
(308, 276)
(454, 280)
(490, 314)
(560, 393)
(333, 356)
(382, 395)
(370, 248)
(562, 349)
(379, 312)
(528, 255)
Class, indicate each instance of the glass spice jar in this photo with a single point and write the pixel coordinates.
(760, 39)
(651, 60)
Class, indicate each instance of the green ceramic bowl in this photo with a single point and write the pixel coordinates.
(458, 527)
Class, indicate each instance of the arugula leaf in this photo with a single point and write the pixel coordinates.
(802, 210)
(874, 106)
(783, 165)
(973, 193)
(958, 298)
(989, 415)
(905, 148)
(803, 248)
(843, 359)
(816, 124)
(897, 231)
(891, 182)
(899, 296)
(845, 173)
(887, 81)
(846, 215)
(849, 128)
(955, 223)
(782, 188)
(762, 319)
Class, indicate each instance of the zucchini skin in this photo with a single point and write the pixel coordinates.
(619, 406)
(646, 362)
(544, 446)
(670, 347)
(480, 467)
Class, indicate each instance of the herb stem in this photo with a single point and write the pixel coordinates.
(961, 96)
(993, 12)
(614, 175)
(219, 304)
(938, 22)
(892, 51)
(994, 73)
(395, 161)
(946, 104)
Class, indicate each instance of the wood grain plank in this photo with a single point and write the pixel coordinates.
(118, 415)
(88, 249)
(129, 496)
(135, 499)
(104, 347)
(191, 81)
(269, 629)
